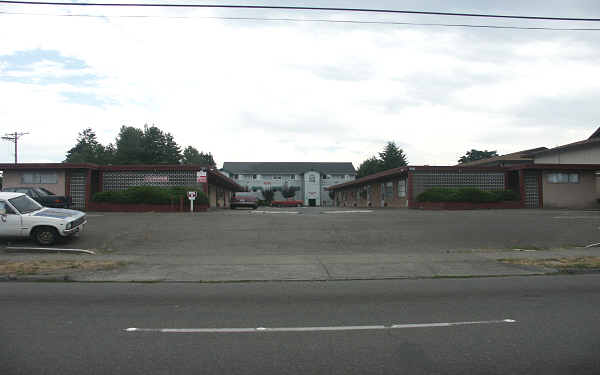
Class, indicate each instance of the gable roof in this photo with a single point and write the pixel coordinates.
(594, 139)
(287, 167)
(519, 156)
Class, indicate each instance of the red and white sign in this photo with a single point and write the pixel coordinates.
(191, 195)
(201, 177)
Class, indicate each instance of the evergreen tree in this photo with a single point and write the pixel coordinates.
(476, 155)
(129, 146)
(192, 156)
(369, 166)
(89, 150)
(392, 157)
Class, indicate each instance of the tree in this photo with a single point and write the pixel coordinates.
(369, 166)
(129, 146)
(477, 155)
(289, 191)
(268, 194)
(159, 147)
(89, 150)
(192, 156)
(392, 157)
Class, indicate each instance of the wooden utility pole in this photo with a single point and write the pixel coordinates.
(14, 137)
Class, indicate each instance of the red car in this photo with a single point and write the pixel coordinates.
(287, 203)
(244, 199)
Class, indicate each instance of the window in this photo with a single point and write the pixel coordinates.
(235, 176)
(292, 177)
(254, 177)
(39, 178)
(563, 178)
(402, 188)
(311, 178)
(324, 176)
(276, 177)
(389, 190)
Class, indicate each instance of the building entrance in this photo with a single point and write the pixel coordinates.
(312, 202)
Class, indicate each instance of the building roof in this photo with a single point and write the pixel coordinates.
(287, 167)
(594, 139)
(519, 156)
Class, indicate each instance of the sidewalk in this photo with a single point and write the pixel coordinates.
(157, 268)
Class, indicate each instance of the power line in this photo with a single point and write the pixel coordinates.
(313, 20)
(275, 7)
(14, 137)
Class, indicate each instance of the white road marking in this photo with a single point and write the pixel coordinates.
(594, 245)
(346, 212)
(57, 249)
(315, 329)
(94, 215)
(575, 217)
(275, 212)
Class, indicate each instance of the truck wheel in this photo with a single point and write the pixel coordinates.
(45, 236)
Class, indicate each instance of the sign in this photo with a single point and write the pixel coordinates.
(155, 178)
(201, 177)
(191, 196)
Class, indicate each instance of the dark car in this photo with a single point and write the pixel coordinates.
(244, 199)
(43, 196)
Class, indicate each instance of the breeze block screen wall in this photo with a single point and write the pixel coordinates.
(484, 180)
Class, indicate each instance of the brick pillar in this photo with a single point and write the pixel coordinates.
(409, 191)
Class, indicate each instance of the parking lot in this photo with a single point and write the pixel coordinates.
(314, 230)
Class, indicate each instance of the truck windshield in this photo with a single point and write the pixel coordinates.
(24, 204)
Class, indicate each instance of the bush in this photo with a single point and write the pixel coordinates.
(472, 195)
(151, 195)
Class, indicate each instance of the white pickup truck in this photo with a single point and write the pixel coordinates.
(21, 216)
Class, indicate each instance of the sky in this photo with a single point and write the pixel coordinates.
(264, 90)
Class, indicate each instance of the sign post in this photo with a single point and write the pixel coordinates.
(191, 196)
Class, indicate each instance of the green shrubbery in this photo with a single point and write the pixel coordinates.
(472, 195)
(151, 195)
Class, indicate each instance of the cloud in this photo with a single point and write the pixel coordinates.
(283, 91)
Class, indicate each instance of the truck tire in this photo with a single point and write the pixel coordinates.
(45, 236)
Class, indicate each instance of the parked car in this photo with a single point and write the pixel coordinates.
(244, 199)
(21, 216)
(287, 203)
(43, 196)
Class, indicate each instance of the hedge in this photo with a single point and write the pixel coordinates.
(150, 195)
(473, 195)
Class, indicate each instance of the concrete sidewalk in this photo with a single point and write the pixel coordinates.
(374, 266)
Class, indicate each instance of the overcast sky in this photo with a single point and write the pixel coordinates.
(255, 90)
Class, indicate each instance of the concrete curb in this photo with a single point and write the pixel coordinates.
(71, 279)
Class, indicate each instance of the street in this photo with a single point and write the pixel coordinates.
(81, 328)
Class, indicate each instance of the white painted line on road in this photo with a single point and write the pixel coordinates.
(594, 245)
(315, 329)
(575, 217)
(346, 212)
(57, 249)
(275, 212)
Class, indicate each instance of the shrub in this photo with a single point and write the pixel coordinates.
(473, 195)
(151, 195)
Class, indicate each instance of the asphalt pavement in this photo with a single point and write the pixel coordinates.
(519, 325)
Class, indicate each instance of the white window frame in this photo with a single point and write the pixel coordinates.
(563, 178)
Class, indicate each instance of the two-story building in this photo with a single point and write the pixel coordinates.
(307, 178)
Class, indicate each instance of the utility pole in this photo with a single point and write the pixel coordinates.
(14, 137)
